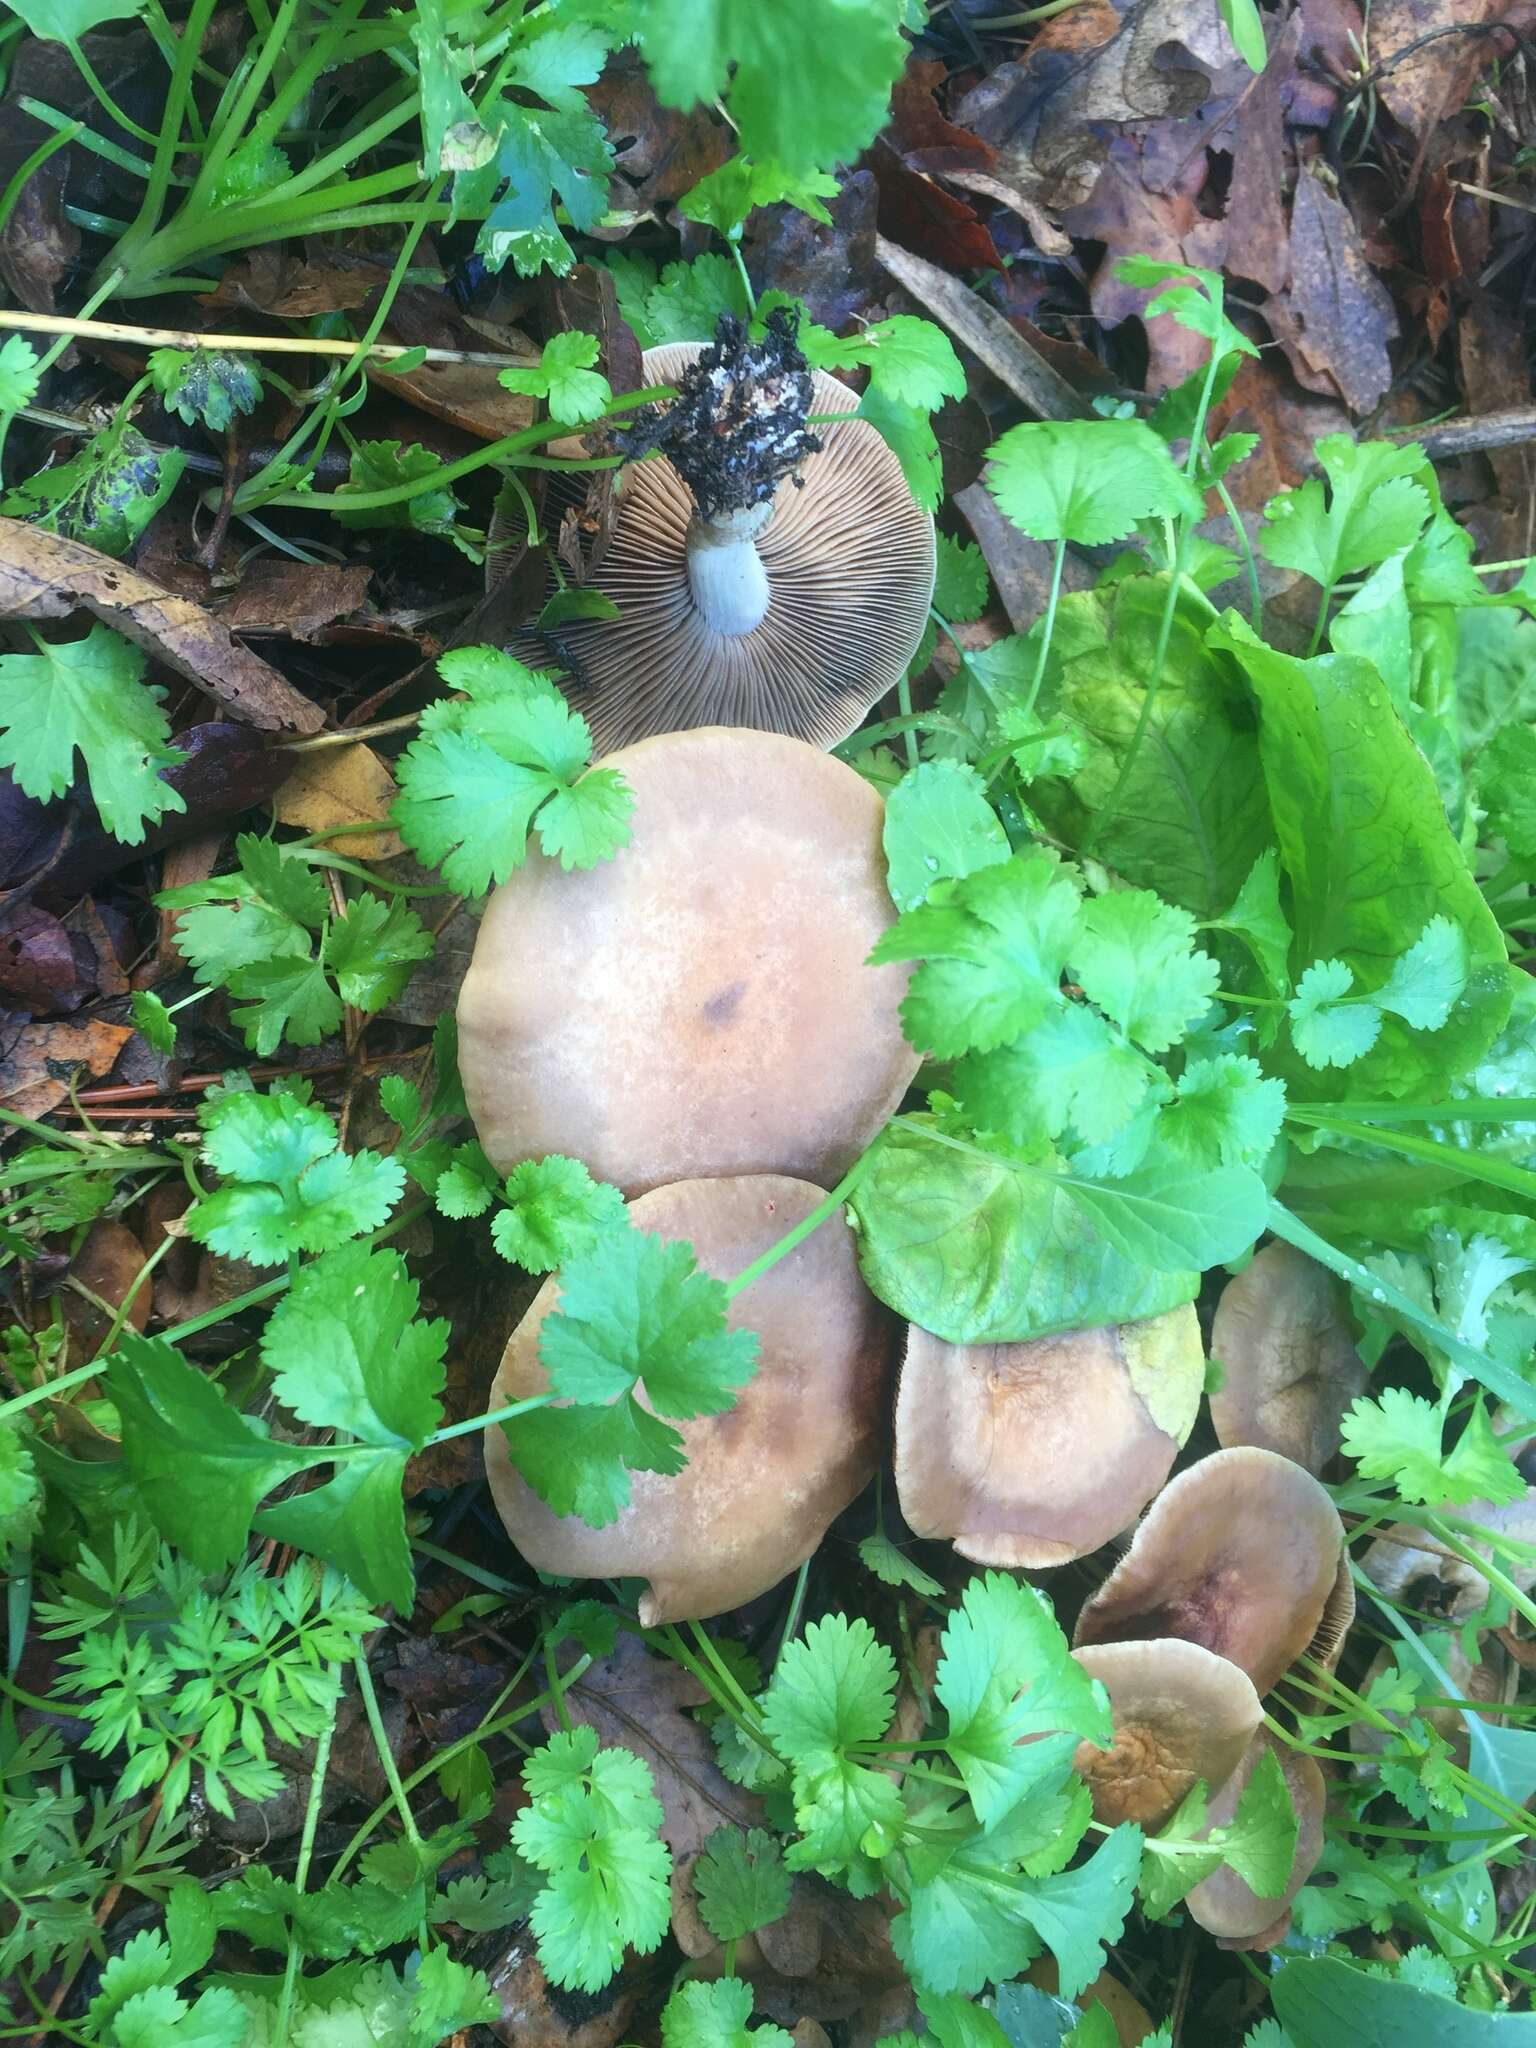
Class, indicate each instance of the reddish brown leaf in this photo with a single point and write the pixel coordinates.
(108, 1263)
(1258, 234)
(38, 1061)
(39, 970)
(925, 218)
(295, 599)
(1433, 80)
(661, 153)
(832, 269)
(1336, 317)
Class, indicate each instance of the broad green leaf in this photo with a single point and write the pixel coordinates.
(715, 2015)
(1369, 857)
(982, 1250)
(355, 1521)
(1192, 819)
(908, 433)
(811, 83)
(741, 1883)
(87, 696)
(66, 21)
(910, 361)
(1324, 2002)
(387, 465)
(1087, 481)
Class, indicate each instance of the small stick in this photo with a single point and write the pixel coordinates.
(1473, 433)
(252, 344)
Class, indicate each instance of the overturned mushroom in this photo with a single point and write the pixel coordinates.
(700, 1004)
(1282, 1335)
(766, 574)
(1410, 1567)
(1223, 1903)
(1029, 1455)
(763, 1480)
(1240, 1553)
(1181, 1714)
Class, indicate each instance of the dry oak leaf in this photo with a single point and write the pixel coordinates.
(38, 1061)
(1336, 317)
(44, 576)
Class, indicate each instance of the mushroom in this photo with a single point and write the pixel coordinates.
(764, 576)
(1410, 1568)
(1240, 1553)
(1223, 1903)
(1029, 1455)
(763, 1480)
(1292, 1369)
(700, 1004)
(1181, 1714)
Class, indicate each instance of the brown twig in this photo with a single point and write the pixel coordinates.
(1473, 435)
(191, 1084)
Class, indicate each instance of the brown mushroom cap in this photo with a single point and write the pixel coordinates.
(849, 557)
(1223, 1903)
(700, 1003)
(1240, 1553)
(762, 1481)
(1029, 1455)
(1181, 1714)
(1292, 1369)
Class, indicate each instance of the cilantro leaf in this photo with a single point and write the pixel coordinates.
(1373, 507)
(372, 950)
(578, 1459)
(564, 379)
(211, 385)
(591, 1827)
(938, 826)
(346, 1351)
(473, 782)
(198, 1465)
(911, 362)
(741, 1883)
(106, 495)
(383, 466)
(797, 96)
(1258, 1841)
(555, 1212)
(1428, 980)
(724, 199)
(636, 1309)
(715, 2015)
(1005, 1675)
(892, 1566)
(539, 157)
(960, 584)
(467, 1184)
(1087, 481)
(1135, 958)
(291, 1189)
(19, 373)
(908, 432)
(355, 1521)
(88, 696)
(1330, 1028)
(1224, 1113)
(1258, 920)
(152, 1018)
(993, 947)
(1070, 1069)
(1506, 774)
(1397, 1436)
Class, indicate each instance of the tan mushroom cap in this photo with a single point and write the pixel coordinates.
(762, 1481)
(849, 556)
(699, 1004)
(1240, 1553)
(1223, 1903)
(1029, 1455)
(1181, 1714)
(1292, 1369)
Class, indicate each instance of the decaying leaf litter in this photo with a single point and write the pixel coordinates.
(1044, 1414)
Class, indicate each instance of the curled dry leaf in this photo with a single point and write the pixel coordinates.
(333, 786)
(1336, 317)
(38, 1061)
(45, 576)
(1282, 1337)
(1411, 1569)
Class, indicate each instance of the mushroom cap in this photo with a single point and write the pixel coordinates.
(1240, 1553)
(1029, 1455)
(849, 556)
(763, 1480)
(698, 1005)
(1223, 1903)
(1292, 1369)
(1181, 1713)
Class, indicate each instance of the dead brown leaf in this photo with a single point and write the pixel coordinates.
(832, 268)
(1258, 233)
(1495, 374)
(635, 1701)
(272, 279)
(1264, 399)
(1433, 80)
(534, 2014)
(108, 1263)
(1336, 317)
(44, 576)
(38, 1061)
(38, 966)
(468, 396)
(295, 599)
(660, 152)
(333, 786)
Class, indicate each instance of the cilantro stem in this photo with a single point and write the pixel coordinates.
(478, 1422)
(828, 1206)
(301, 1869)
(792, 1618)
(1474, 1109)
(381, 1744)
(1048, 626)
(1486, 1167)
(727, 1678)
(343, 866)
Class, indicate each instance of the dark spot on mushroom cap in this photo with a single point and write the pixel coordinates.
(721, 1008)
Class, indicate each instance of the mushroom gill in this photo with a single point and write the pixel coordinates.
(1240, 1553)
(763, 1480)
(1029, 1455)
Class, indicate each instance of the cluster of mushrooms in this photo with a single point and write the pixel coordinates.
(695, 1020)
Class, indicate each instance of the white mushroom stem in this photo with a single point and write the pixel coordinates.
(725, 572)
